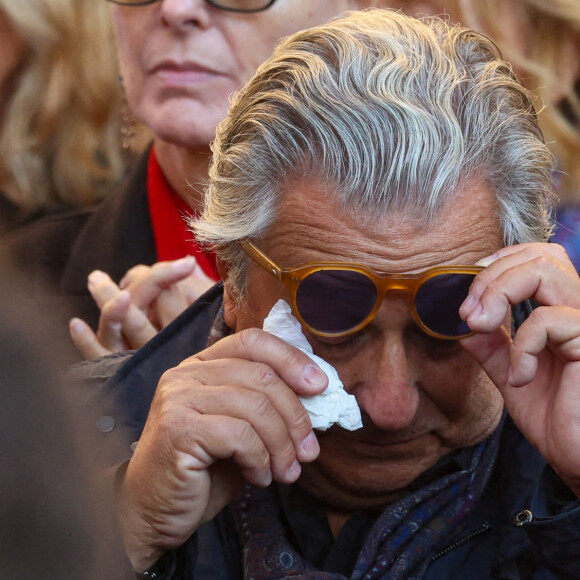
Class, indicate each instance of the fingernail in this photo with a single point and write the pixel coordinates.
(96, 277)
(485, 262)
(468, 305)
(313, 375)
(183, 263)
(294, 470)
(310, 445)
(268, 478)
(477, 313)
(76, 326)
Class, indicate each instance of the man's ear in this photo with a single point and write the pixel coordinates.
(222, 269)
(230, 302)
(230, 307)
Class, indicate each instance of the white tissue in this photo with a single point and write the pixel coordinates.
(334, 405)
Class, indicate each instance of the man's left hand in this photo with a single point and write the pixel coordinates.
(538, 372)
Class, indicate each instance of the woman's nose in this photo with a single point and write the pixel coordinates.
(183, 15)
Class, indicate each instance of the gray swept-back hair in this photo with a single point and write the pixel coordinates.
(392, 113)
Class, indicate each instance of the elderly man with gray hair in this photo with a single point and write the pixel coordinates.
(386, 178)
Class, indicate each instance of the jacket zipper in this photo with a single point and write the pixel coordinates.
(484, 528)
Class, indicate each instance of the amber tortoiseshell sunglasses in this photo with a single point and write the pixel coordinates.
(336, 299)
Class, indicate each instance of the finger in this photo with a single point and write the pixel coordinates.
(195, 285)
(555, 327)
(203, 438)
(257, 410)
(528, 251)
(172, 301)
(257, 391)
(146, 284)
(85, 340)
(549, 257)
(490, 299)
(168, 306)
(110, 329)
(492, 352)
(134, 275)
(211, 438)
(102, 288)
(293, 366)
(136, 327)
(121, 324)
(510, 281)
(199, 274)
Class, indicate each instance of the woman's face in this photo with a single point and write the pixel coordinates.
(12, 49)
(182, 59)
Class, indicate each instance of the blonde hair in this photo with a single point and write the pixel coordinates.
(60, 138)
(541, 38)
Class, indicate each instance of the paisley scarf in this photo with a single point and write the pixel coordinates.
(400, 545)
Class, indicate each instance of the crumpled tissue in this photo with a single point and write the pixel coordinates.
(334, 405)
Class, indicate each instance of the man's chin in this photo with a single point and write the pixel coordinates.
(355, 487)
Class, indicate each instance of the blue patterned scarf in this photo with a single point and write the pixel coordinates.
(400, 545)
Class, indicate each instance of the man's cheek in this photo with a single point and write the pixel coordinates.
(451, 384)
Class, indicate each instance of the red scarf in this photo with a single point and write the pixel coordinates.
(173, 239)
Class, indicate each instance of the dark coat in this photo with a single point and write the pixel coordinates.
(13, 217)
(490, 545)
(57, 253)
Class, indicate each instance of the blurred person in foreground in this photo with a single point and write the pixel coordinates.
(56, 523)
(180, 62)
(60, 108)
(387, 178)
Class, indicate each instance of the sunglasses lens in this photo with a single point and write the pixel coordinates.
(438, 300)
(335, 301)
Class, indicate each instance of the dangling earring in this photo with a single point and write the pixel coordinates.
(128, 124)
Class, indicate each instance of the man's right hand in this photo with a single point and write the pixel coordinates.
(227, 415)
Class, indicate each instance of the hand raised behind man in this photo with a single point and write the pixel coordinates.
(146, 300)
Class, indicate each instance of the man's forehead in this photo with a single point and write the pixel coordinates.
(312, 226)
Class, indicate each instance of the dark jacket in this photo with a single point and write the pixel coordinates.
(491, 545)
(13, 217)
(57, 253)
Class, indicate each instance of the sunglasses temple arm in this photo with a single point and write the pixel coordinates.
(261, 258)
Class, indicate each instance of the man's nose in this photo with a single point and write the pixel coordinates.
(184, 14)
(389, 396)
(388, 391)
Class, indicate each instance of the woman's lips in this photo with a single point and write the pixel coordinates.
(182, 74)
